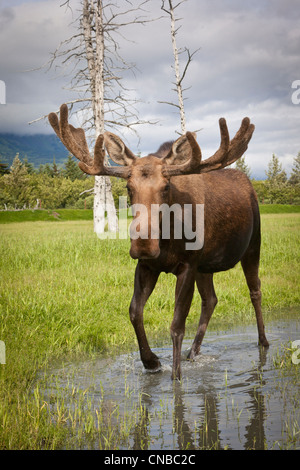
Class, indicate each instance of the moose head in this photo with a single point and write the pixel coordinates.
(148, 178)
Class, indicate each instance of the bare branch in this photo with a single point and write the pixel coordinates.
(169, 103)
(87, 191)
(189, 60)
(179, 77)
(72, 102)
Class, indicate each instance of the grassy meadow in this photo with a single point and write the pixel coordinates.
(65, 294)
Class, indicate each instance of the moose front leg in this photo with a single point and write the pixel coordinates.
(144, 283)
(183, 299)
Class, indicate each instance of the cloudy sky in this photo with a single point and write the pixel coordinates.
(248, 59)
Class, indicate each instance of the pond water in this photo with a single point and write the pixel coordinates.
(234, 396)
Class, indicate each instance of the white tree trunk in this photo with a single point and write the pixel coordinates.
(113, 223)
(177, 69)
(99, 204)
(103, 200)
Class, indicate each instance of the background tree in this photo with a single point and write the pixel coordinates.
(275, 174)
(168, 7)
(55, 170)
(29, 166)
(92, 21)
(97, 68)
(46, 170)
(276, 182)
(72, 171)
(242, 166)
(295, 174)
(15, 182)
(4, 168)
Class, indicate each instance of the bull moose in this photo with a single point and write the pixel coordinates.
(176, 174)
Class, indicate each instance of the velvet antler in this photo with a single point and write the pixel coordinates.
(74, 140)
(228, 152)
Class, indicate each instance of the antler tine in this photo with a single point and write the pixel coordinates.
(220, 155)
(228, 152)
(72, 138)
(219, 158)
(98, 167)
(239, 143)
(192, 165)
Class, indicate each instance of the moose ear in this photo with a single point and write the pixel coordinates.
(181, 151)
(117, 150)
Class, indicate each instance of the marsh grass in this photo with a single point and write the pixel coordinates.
(65, 295)
(287, 382)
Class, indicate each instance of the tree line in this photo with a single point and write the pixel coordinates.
(51, 187)
(277, 188)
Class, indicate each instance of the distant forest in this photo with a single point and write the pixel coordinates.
(39, 149)
(38, 171)
(52, 187)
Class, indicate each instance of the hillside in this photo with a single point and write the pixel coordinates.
(39, 148)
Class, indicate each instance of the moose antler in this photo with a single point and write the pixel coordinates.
(228, 152)
(183, 159)
(74, 140)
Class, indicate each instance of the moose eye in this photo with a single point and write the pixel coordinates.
(166, 188)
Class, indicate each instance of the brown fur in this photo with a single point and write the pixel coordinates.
(163, 150)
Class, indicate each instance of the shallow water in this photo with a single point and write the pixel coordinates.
(231, 397)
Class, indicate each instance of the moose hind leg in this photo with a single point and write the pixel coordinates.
(144, 283)
(209, 301)
(250, 265)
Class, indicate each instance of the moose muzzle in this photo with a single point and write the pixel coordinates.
(144, 233)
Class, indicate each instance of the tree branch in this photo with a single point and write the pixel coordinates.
(179, 77)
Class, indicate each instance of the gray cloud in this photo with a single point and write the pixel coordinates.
(248, 59)
(6, 17)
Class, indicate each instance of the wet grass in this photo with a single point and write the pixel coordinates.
(65, 295)
(287, 366)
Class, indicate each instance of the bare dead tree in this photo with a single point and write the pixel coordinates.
(92, 57)
(168, 7)
(92, 17)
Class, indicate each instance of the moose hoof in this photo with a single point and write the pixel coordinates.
(263, 342)
(192, 354)
(152, 365)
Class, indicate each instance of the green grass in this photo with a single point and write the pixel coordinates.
(7, 217)
(65, 294)
(279, 209)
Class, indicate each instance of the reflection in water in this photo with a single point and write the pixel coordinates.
(206, 432)
(255, 431)
(229, 398)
